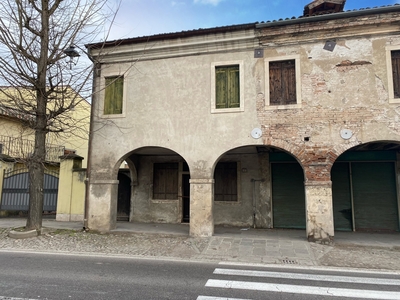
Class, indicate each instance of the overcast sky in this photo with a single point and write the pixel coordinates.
(148, 17)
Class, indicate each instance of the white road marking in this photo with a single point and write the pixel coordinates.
(217, 298)
(12, 298)
(299, 276)
(314, 268)
(307, 290)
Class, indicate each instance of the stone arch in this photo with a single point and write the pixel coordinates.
(158, 177)
(254, 204)
(364, 187)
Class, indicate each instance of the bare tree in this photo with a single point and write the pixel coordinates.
(34, 35)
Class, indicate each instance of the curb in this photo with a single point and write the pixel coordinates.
(23, 234)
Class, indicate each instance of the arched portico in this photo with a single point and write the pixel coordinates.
(364, 187)
(259, 187)
(159, 180)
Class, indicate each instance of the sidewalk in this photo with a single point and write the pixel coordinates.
(236, 245)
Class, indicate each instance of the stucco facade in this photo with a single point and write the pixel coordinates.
(345, 112)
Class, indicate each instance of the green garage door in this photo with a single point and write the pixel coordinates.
(288, 197)
(373, 188)
(341, 190)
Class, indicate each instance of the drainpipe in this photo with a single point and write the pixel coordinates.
(255, 199)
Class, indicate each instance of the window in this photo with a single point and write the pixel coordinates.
(396, 73)
(227, 91)
(165, 181)
(226, 182)
(114, 87)
(227, 87)
(282, 82)
(393, 72)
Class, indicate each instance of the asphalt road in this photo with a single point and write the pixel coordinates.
(56, 276)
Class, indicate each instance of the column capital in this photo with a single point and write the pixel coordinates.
(202, 181)
(327, 183)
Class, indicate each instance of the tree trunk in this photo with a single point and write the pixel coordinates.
(37, 160)
(36, 183)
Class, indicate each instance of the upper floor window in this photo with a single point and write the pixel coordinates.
(113, 99)
(282, 82)
(227, 87)
(283, 86)
(396, 73)
(393, 72)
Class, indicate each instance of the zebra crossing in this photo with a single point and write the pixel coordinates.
(329, 284)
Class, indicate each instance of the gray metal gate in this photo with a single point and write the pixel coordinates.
(15, 194)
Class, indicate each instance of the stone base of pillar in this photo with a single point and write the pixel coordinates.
(320, 227)
(201, 207)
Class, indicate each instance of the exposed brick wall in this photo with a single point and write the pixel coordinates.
(355, 24)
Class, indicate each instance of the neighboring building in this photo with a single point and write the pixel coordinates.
(62, 149)
(284, 124)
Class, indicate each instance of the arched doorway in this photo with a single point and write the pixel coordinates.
(364, 188)
(288, 196)
(160, 193)
(124, 195)
(260, 187)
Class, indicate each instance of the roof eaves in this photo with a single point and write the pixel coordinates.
(331, 16)
(173, 35)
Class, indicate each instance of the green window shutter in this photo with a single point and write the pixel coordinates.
(221, 88)
(233, 87)
(113, 95)
(227, 87)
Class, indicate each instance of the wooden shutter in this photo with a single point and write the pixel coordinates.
(282, 81)
(225, 188)
(396, 73)
(113, 95)
(233, 87)
(221, 88)
(227, 87)
(165, 181)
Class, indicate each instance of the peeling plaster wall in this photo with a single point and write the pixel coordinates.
(167, 94)
(253, 176)
(146, 209)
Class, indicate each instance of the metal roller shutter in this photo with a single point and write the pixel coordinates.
(341, 191)
(375, 201)
(288, 196)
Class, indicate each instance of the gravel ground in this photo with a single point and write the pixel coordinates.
(61, 240)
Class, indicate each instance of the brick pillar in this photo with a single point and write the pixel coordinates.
(201, 207)
(319, 212)
(319, 206)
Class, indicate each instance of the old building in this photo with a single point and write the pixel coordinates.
(66, 156)
(283, 124)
